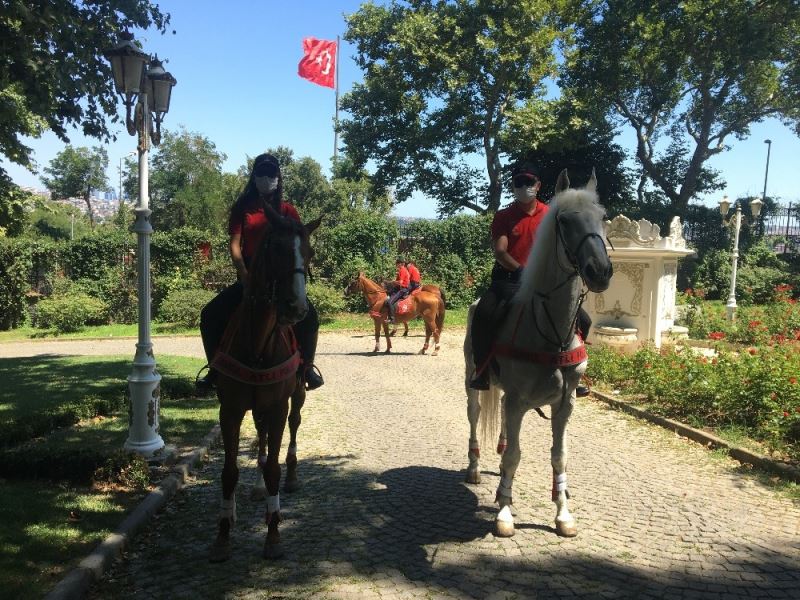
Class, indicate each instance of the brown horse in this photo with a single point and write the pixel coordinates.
(392, 286)
(257, 365)
(422, 303)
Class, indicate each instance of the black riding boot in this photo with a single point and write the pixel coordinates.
(307, 332)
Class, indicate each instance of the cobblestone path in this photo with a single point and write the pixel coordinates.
(384, 513)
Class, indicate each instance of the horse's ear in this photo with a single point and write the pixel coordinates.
(562, 183)
(311, 226)
(592, 185)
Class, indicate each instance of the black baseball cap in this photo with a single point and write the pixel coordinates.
(525, 168)
(266, 165)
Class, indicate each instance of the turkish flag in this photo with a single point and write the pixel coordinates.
(319, 63)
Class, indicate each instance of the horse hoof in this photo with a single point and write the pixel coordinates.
(291, 485)
(220, 552)
(566, 528)
(405, 334)
(273, 550)
(388, 351)
(504, 528)
(435, 353)
(258, 493)
(473, 476)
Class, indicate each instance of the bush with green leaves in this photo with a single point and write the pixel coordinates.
(327, 300)
(69, 313)
(15, 267)
(183, 306)
(118, 290)
(756, 388)
(166, 284)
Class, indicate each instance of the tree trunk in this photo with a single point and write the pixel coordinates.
(87, 199)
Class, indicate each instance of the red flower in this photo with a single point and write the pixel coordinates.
(753, 324)
(785, 414)
(792, 380)
(688, 291)
(716, 335)
(752, 351)
(783, 287)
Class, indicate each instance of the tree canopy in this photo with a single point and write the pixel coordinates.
(52, 71)
(687, 76)
(75, 173)
(440, 80)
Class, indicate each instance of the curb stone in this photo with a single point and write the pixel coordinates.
(76, 583)
(707, 439)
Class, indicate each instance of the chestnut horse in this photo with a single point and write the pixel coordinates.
(257, 365)
(421, 303)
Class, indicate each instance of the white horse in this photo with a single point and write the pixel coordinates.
(540, 357)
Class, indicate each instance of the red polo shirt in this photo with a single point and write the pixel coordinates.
(249, 220)
(402, 276)
(519, 227)
(413, 274)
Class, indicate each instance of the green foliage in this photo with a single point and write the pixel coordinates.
(117, 289)
(69, 313)
(54, 75)
(15, 266)
(76, 172)
(177, 248)
(440, 81)
(88, 257)
(327, 300)
(187, 185)
(183, 306)
(756, 389)
(216, 274)
(14, 202)
(124, 468)
(360, 240)
(694, 72)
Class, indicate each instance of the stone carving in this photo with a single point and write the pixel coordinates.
(635, 273)
(642, 232)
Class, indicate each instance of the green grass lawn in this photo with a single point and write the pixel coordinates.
(455, 317)
(39, 542)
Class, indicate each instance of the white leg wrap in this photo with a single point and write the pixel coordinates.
(505, 514)
(227, 509)
(292, 449)
(560, 482)
(273, 503)
(504, 488)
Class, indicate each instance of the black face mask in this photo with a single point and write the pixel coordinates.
(266, 169)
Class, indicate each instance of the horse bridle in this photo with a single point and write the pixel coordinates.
(573, 271)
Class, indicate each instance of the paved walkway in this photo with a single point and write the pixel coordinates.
(384, 512)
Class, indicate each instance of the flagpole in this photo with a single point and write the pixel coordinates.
(336, 109)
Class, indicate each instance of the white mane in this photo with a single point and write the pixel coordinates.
(569, 200)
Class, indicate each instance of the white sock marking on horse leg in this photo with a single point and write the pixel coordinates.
(273, 506)
(227, 509)
(505, 514)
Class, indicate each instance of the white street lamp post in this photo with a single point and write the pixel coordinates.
(153, 86)
(724, 207)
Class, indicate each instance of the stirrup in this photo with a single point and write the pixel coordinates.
(315, 381)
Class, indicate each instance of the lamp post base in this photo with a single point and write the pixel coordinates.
(144, 395)
(730, 311)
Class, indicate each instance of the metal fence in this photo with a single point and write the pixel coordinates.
(783, 224)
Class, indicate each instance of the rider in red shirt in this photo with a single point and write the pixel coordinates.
(513, 233)
(413, 274)
(403, 279)
(246, 228)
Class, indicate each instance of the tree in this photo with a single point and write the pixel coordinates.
(14, 203)
(561, 135)
(75, 172)
(692, 73)
(440, 80)
(186, 182)
(53, 74)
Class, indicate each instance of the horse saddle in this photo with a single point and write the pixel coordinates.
(404, 305)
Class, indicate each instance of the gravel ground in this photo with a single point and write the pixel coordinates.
(384, 513)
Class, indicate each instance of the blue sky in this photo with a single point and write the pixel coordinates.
(236, 66)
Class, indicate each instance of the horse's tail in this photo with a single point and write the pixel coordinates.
(441, 293)
(440, 316)
(488, 402)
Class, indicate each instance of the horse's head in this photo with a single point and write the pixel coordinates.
(354, 287)
(277, 274)
(579, 223)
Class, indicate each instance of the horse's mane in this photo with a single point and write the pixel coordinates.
(570, 199)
